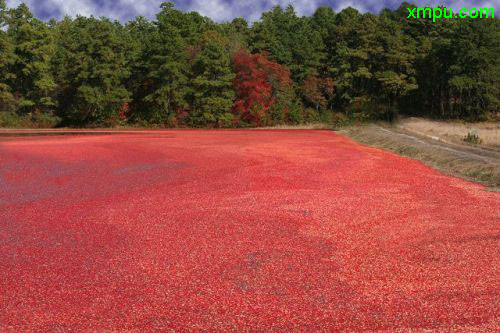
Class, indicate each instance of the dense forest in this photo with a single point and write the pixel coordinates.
(183, 69)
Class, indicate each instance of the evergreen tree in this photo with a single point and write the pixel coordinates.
(290, 41)
(192, 26)
(238, 34)
(32, 80)
(433, 62)
(7, 59)
(167, 68)
(213, 80)
(91, 68)
(474, 76)
(323, 21)
(393, 64)
(140, 32)
(350, 62)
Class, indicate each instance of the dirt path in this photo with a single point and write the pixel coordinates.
(239, 231)
(476, 163)
(487, 154)
(453, 131)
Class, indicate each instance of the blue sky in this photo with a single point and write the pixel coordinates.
(218, 10)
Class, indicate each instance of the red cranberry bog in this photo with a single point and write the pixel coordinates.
(239, 230)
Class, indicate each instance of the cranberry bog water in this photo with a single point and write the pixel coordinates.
(239, 231)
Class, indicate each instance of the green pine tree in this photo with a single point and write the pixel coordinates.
(33, 83)
(91, 67)
(393, 65)
(353, 42)
(167, 68)
(289, 40)
(212, 83)
(7, 59)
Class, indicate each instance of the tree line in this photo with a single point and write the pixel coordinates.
(183, 69)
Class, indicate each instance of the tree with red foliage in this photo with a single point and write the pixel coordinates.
(259, 84)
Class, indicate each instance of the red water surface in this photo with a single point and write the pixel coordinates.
(239, 230)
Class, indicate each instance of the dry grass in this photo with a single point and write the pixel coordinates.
(311, 126)
(455, 131)
(473, 164)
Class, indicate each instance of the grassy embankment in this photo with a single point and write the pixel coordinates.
(440, 145)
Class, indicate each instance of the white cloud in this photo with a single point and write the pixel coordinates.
(118, 9)
(219, 10)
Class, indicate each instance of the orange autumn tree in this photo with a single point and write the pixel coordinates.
(318, 91)
(259, 85)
